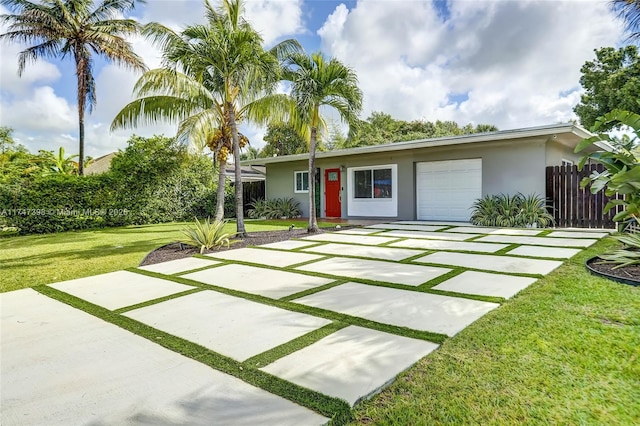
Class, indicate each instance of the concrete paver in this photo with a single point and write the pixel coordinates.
(484, 284)
(428, 235)
(495, 231)
(179, 265)
(250, 279)
(405, 308)
(62, 366)
(119, 289)
(539, 251)
(407, 227)
(289, 244)
(386, 253)
(516, 265)
(229, 325)
(449, 245)
(538, 241)
(333, 237)
(265, 257)
(578, 234)
(397, 273)
(352, 363)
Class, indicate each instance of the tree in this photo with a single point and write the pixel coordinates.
(58, 163)
(215, 75)
(6, 139)
(611, 81)
(317, 82)
(629, 10)
(59, 28)
(282, 139)
(380, 128)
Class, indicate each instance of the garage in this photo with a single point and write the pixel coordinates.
(445, 190)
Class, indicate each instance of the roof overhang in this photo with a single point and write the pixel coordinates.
(577, 132)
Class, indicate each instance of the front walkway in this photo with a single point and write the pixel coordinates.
(295, 332)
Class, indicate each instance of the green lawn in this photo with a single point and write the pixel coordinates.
(564, 351)
(31, 260)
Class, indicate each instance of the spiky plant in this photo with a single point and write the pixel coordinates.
(206, 235)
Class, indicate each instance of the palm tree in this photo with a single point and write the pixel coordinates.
(215, 75)
(58, 28)
(317, 82)
(629, 11)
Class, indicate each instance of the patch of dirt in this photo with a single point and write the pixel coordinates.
(631, 272)
(178, 251)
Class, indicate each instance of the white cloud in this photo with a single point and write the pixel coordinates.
(513, 64)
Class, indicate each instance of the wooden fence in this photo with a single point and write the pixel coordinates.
(572, 206)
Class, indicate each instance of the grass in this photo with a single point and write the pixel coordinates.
(32, 260)
(564, 351)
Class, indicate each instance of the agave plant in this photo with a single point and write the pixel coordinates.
(206, 235)
(259, 208)
(628, 255)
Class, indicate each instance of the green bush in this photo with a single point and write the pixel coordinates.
(154, 180)
(277, 208)
(513, 211)
(57, 203)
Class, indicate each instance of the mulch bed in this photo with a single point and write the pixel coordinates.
(178, 251)
(631, 273)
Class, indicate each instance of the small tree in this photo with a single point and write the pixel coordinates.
(622, 170)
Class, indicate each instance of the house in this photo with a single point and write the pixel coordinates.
(432, 179)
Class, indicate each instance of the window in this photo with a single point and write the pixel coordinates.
(301, 180)
(567, 162)
(373, 183)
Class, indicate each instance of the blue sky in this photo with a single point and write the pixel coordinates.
(509, 63)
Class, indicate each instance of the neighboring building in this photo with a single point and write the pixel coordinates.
(432, 179)
(100, 165)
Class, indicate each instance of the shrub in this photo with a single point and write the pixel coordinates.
(276, 208)
(628, 255)
(206, 235)
(513, 211)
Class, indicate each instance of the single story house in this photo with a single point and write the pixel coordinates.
(431, 179)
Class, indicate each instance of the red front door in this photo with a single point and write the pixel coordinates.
(332, 192)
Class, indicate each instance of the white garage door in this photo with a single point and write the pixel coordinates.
(447, 189)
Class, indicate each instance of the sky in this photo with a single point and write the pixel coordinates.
(510, 63)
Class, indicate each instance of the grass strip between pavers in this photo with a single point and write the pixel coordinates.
(155, 301)
(267, 357)
(336, 409)
(310, 310)
(313, 290)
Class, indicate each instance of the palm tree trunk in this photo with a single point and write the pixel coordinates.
(241, 232)
(222, 179)
(313, 223)
(81, 69)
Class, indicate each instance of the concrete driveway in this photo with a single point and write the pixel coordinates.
(272, 335)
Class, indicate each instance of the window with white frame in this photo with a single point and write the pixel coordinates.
(373, 183)
(566, 162)
(301, 181)
(372, 190)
